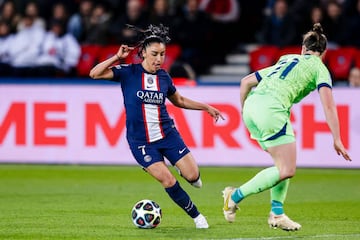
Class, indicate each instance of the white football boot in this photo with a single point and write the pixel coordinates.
(230, 206)
(283, 222)
(200, 222)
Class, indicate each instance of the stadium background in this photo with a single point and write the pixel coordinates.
(68, 118)
(68, 130)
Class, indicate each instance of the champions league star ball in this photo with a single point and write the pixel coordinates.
(146, 214)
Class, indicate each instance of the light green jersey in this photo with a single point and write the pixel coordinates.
(292, 78)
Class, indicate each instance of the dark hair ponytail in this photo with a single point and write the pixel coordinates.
(315, 40)
(318, 28)
(153, 33)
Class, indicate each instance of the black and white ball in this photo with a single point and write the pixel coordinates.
(146, 214)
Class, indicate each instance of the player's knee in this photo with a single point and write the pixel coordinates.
(168, 183)
(287, 173)
(167, 180)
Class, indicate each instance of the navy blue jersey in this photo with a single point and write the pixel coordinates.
(144, 98)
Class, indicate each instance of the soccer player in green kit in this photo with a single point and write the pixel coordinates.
(266, 113)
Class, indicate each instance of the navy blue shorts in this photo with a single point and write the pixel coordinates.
(172, 147)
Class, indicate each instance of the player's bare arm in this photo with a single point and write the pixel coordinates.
(103, 70)
(331, 116)
(246, 84)
(186, 103)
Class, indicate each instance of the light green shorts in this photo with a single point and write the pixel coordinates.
(268, 121)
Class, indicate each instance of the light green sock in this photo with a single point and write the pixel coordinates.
(279, 191)
(278, 195)
(264, 180)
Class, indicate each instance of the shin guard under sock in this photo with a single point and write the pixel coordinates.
(182, 199)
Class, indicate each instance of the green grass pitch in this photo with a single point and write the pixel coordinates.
(94, 202)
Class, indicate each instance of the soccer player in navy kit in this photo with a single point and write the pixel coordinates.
(151, 132)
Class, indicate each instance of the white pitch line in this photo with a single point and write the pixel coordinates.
(297, 237)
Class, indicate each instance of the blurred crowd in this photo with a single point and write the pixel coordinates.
(44, 38)
(286, 21)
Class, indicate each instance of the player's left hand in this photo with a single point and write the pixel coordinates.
(215, 113)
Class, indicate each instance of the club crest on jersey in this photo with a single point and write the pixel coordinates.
(147, 158)
(150, 80)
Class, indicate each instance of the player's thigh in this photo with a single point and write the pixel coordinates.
(161, 172)
(284, 157)
(188, 167)
(179, 155)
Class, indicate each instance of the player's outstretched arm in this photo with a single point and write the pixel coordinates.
(103, 71)
(183, 102)
(332, 120)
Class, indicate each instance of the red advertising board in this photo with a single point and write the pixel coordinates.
(85, 124)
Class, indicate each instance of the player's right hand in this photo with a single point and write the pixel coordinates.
(340, 149)
(124, 51)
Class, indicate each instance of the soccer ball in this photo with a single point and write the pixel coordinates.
(146, 214)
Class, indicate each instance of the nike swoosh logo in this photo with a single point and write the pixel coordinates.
(182, 150)
(226, 205)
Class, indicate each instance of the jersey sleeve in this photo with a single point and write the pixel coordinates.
(323, 78)
(120, 72)
(172, 88)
